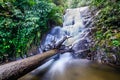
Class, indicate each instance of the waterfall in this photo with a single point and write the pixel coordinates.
(73, 26)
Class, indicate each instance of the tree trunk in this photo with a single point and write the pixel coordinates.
(14, 70)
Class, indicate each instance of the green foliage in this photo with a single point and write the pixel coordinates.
(99, 3)
(78, 3)
(59, 2)
(107, 24)
(23, 22)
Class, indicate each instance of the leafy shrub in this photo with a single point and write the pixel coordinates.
(23, 22)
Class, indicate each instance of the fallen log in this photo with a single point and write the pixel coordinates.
(14, 70)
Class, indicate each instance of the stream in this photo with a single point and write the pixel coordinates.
(72, 65)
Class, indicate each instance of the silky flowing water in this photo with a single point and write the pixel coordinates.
(67, 67)
(76, 69)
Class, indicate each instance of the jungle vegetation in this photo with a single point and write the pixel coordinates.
(107, 34)
(24, 22)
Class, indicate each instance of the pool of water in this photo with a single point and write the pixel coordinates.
(77, 69)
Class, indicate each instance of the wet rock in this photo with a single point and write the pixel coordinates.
(112, 58)
(80, 45)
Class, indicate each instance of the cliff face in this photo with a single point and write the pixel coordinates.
(106, 35)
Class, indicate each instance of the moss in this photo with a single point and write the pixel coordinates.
(107, 25)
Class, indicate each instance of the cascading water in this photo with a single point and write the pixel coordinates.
(73, 26)
(56, 71)
(67, 67)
